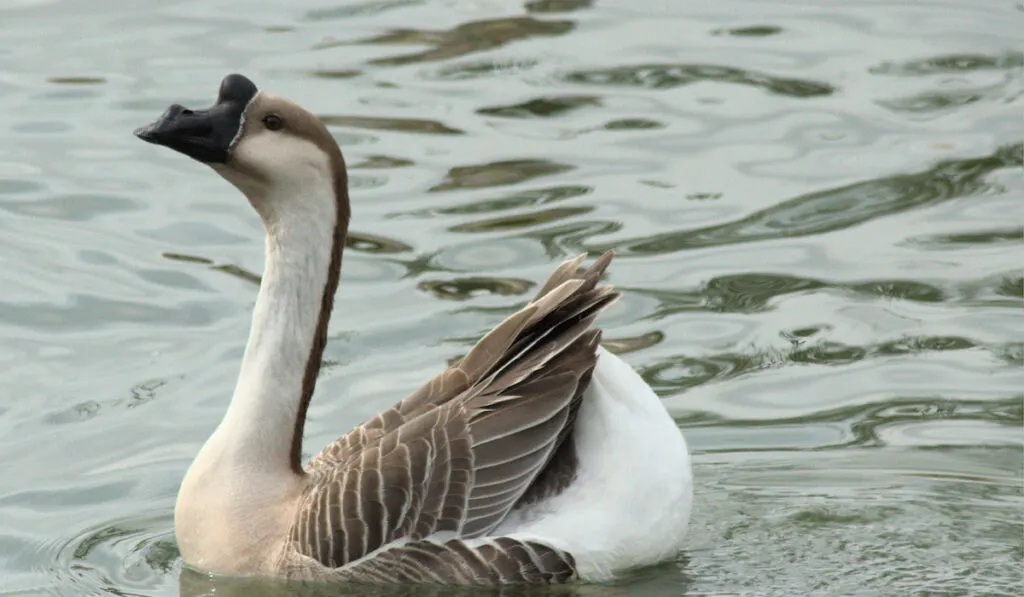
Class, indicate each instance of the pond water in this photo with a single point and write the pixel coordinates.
(817, 209)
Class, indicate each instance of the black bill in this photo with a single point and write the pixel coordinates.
(204, 135)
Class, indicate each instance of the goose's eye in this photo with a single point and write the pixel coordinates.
(273, 122)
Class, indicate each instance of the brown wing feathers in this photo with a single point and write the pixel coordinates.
(462, 451)
(502, 561)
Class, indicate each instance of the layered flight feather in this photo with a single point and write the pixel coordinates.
(412, 494)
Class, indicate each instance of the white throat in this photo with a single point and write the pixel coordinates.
(257, 431)
(237, 492)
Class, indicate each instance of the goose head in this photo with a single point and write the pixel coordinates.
(278, 154)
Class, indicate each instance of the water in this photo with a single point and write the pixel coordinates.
(818, 212)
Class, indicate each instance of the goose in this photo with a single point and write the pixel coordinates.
(537, 458)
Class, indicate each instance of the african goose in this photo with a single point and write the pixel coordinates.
(539, 457)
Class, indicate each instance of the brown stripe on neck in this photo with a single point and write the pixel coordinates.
(325, 142)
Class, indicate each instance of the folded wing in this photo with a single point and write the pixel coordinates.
(462, 451)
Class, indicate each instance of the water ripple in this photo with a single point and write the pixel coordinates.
(73, 208)
(1001, 237)
(381, 161)
(461, 289)
(668, 76)
(466, 38)
(673, 375)
(522, 220)
(133, 553)
(493, 174)
(405, 125)
(542, 107)
(878, 424)
(750, 31)
(948, 64)
(549, 6)
(358, 9)
(754, 292)
(84, 312)
(516, 200)
(889, 539)
(564, 240)
(839, 208)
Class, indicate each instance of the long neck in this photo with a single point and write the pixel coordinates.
(262, 429)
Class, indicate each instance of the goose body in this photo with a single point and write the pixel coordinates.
(539, 457)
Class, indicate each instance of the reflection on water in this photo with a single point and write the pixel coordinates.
(950, 97)
(467, 38)
(528, 220)
(514, 200)
(835, 209)
(542, 106)
(1008, 237)
(466, 288)
(817, 211)
(667, 76)
(357, 9)
(951, 64)
(506, 172)
(870, 524)
(408, 125)
(754, 292)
